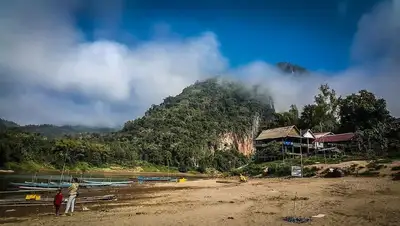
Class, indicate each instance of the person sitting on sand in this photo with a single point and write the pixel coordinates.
(73, 192)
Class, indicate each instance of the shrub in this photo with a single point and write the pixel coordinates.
(310, 172)
(28, 166)
(395, 168)
(280, 170)
(201, 169)
(183, 168)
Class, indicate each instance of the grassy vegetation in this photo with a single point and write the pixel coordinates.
(84, 167)
(283, 168)
(27, 166)
(275, 169)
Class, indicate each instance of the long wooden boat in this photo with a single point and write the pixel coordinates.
(107, 183)
(37, 188)
(39, 185)
(56, 185)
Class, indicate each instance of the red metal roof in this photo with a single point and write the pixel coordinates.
(335, 138)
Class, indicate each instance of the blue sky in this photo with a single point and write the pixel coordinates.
(103, 62)
(313, 33)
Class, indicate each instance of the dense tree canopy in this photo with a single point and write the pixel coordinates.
(362, 111)
(185, 131)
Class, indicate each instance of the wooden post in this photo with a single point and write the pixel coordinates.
(283, 151)
(301, 157)
(292, 151)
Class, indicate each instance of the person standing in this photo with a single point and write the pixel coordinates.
(57, 201)
(73, 192)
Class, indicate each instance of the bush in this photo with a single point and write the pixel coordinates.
(225, 161)
(395, 168)
(280, 170)
(201, 169)
(28, 166)
(252, 170)
(310, 172)
(81, 166)
(183, 168)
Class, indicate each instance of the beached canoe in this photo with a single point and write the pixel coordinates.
(38, 185)
(56, 185)
(37, 188)
(107, 183)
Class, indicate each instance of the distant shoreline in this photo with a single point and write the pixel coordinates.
(110, 172)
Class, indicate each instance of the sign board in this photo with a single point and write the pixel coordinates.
(296, 171)
(287, 143)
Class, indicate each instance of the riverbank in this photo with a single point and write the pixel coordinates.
(342, 201)
(143, 168)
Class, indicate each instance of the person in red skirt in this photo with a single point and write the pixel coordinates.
(57, 201)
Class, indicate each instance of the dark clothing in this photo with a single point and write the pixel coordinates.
(57, 209)
(57, 202)
(58, 199)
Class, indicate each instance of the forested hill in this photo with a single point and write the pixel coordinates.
(53, 131)
(193, 130)
(183, 128)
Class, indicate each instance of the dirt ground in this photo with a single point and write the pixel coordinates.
(344, 201)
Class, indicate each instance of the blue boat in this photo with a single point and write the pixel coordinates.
(56, 185)
(39, 185)
(111, 183)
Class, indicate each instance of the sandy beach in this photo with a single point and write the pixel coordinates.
(343, 201)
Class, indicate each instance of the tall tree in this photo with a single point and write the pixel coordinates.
(323, 114)
(327, 108)
(294, 112)
(367, 115)
(308, 118)
(362, 111)
(287, 118)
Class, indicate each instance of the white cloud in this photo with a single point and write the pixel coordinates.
(49, 58)
(54, 76)
(376, 50)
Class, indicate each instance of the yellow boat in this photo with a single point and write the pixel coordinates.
(182, 180)
(33, 197)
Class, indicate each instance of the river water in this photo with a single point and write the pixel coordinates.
(6, 178)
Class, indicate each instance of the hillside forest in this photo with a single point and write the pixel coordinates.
(184, 131)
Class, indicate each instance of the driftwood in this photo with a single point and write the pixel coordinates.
(227, 182)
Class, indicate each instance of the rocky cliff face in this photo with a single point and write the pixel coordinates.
(291, 68)
(231, 140)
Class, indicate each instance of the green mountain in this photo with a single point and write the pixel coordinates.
(210, 124)
(207, 116)
(7, 124)
(53, 131)
(57, 131)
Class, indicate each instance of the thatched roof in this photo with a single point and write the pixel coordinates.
(281, 132)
